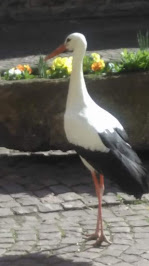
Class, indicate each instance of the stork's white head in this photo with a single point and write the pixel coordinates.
(73, 41)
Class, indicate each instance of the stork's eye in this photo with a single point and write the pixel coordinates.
(68, 40)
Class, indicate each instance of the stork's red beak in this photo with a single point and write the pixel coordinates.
(57, 51)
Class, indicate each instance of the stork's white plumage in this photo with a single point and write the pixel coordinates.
(97, 136)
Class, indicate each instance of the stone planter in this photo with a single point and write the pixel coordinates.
(31, 112)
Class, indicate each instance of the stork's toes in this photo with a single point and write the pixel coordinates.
(91, 237)
(99, 239)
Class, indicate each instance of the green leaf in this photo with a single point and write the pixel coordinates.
(134, 61)
(143, 40)
(42, 68)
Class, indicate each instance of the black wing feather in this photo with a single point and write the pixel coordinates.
(122, 133)
(127, 161)
(116, 141)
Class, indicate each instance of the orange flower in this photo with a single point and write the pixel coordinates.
(20, 67)
(25, 67)
(28, 68)
(98, 65)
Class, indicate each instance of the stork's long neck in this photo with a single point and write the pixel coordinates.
(77, 92)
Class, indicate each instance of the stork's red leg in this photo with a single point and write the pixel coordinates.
(99, 234)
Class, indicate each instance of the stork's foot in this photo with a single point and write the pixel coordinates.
(91, 237)
(99, 239)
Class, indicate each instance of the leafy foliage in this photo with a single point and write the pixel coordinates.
(134, 61)
(57, 73)
(143, 40)
(87, 62)
(112, 68)
(42, 68)
(130, 62)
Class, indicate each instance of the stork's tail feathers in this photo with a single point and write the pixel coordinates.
(133, 178)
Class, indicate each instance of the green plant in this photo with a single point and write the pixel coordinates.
(58, 72)
(133, 61)
(87, 62)
(112, 68)
(143, 40)
(42, 68)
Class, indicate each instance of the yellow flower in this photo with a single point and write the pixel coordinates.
(48, 71)
(63, 62)
(28, 68)
(57, 62)
(96, 57)
(98, 65)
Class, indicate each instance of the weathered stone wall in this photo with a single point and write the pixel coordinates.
(26, 10)
(32, 111)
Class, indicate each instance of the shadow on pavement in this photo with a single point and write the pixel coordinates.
(58, 174)
(43, 175)
(37, 259)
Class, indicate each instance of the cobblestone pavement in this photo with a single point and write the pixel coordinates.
(48, 204)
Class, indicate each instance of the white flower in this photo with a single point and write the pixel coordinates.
(18, 71)
(14, 71)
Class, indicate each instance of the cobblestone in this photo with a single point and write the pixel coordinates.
(4, 212)
(129, 258)
(126, 198)
(141, 235)
(47, 226)
(25, 237)
(109, 260)
(111, 199)
(76, 204)
(28, 201)
(24, 210)
(70, 196)
(47, 207)
(139, 223)
(60, 189)
(141, 262)
(9, 204)
(120, 229)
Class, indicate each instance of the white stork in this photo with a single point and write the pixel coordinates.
(97, 136)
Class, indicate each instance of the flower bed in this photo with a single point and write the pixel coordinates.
(93, 64)
(61, 67)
